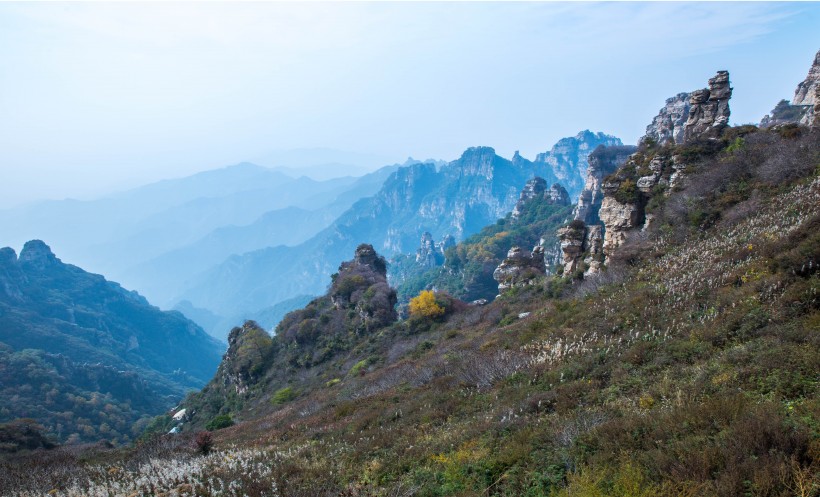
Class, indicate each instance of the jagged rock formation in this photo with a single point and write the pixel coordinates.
(358, 302)
(566, 163)
(572, 245)
(668, 125)
(618, 218)
(536, 188)
(603, 161)
(806, 92)
(581, 248)
(519, 268)
(804, 105)
(709, 109)
(429, 253)
(685, 117)
(447, 242)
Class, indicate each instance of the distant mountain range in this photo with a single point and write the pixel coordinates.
(121, 234)
(229, 244)
(91, 348)
(457, 198)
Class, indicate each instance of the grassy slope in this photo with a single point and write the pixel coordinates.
(689, 368)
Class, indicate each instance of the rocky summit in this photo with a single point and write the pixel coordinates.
(536, 188)
(709, 109)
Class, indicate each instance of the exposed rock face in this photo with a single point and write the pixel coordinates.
(520, 268)
(557, 195)
(806, 92)
(618, 218)
(594, 248)
(668, 125)
(709, 109)
(366, 255)
(429, 254)
(572, 245)
(533, 189)
(602, 162)
(447, 242)
(536, 188)
(804, 105)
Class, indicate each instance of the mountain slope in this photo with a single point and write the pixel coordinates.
(77, 337)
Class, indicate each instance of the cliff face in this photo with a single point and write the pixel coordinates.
(603, 161)
(519, 268)
(804, 106)
(668, 125)
(620, 180)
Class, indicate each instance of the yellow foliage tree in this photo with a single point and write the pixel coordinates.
(425, 305)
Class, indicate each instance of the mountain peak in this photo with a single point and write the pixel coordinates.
(7, 256)
(366, 256)
(36, 253)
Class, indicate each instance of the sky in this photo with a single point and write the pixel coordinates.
(96, 97)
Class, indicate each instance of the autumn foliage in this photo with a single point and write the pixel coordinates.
(425, 305)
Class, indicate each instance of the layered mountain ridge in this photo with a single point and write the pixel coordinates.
(456, 199)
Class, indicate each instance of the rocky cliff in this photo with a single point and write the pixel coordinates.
(519, 268)
(603, 161)
(804, 104)
(536, 188)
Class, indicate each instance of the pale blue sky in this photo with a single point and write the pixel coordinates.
(96, 96)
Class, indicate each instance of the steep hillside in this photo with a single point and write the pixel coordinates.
(455, 199)
(86, 358)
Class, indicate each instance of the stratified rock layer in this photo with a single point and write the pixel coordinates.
(709, 109)
(668, 125)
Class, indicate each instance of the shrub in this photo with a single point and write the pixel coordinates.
(219, 422)
(204, 441)
(283, 395)
(425, 305)
(627, 192)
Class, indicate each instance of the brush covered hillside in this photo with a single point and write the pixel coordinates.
(456, 199)
(85, 358)
(676, 353)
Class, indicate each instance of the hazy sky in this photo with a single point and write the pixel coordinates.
(95, 96)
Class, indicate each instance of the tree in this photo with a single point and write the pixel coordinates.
(425, 305)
